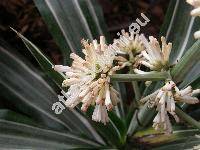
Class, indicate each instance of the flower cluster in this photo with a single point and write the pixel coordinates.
(195, 12)
(128, 44)
(155, 58)
(164, 101)
(88, 79)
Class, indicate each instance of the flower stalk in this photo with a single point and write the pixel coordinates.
(136, 90)
(153, 76)
(135, 87)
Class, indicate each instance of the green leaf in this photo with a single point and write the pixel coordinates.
(69, 21)
(186, 63)
(187, 142)
(119, 125)
(119, 109)
(196, 84)
(22, 135)
(179, 27)
(114, 132)
(153, 76)
(140, 118)
(35, 97)
(182, 138)
(192, 76)
(44, 62)
(10, 115)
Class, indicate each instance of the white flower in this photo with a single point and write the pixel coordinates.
(196, 4)
(100, 114)
(187, 95)
(128, 43)
(155, 57)
(162, 124)
(88, 79)
(195, 12)
(164, 100)
(196, 147)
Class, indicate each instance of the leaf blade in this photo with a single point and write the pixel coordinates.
(182, 68)
(19, 80)
(62, 18)
(20, 133)
(179, 27)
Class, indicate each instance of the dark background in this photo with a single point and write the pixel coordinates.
(23, 16)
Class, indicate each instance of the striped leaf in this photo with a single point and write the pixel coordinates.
(35, 97)
(18, 132)
(179, 27)
(69, 21)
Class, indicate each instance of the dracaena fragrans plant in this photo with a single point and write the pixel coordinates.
(97, 109)
(89, 79)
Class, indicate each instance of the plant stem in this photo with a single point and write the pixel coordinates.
(136, 90)
(187, 118)
(139, 77)
(140, 118)
(120, 106)
(150, 96)
(135, 86)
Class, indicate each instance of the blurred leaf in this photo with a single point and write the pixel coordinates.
(179, 27)
(69, 21)
(22, 135)
(35, 97)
